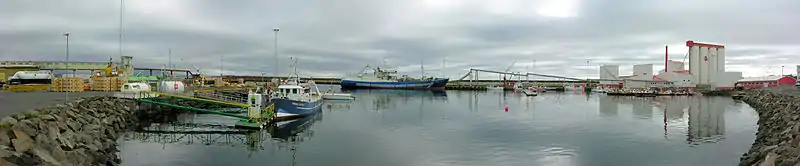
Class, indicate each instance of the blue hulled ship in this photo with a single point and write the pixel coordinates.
(388, 79)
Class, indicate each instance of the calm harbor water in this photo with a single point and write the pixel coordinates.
(391, 127)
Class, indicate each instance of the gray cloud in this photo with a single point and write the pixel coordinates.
(334, 38)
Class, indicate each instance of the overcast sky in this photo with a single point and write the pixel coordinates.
(332, 38)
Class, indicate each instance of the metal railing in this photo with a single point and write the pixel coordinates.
(221, 96)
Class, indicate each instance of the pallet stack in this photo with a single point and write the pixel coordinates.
(106, 84)
(68, 84)
(117, 85)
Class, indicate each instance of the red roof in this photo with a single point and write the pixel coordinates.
(658, 79)
(764, 78)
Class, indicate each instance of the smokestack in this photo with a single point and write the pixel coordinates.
(666, 58)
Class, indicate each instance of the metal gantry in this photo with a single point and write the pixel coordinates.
(474, 74)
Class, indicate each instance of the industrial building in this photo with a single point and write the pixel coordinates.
(706, 69)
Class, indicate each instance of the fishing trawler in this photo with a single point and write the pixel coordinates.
(294, 98)
(388, 79)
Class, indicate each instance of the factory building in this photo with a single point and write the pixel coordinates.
(641, 74)
(706, 69)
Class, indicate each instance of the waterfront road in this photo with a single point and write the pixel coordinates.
(15, 102)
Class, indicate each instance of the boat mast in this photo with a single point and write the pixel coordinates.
(422, 68)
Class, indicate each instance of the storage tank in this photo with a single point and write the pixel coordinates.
(171, 87)
(135, 87)
(32, 75)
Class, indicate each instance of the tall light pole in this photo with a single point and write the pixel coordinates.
(276, 50)
(588, 67)
(782, 70)
(121, 13)
(66, 53)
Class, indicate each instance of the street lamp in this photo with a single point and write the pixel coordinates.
(263, 79)
(782, 70)
(66, 52)
(276, 50)
(121, 19)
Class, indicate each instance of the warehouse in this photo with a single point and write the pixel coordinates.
(766, 81)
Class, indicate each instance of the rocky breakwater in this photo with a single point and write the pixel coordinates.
(778, 138)
(83, 132)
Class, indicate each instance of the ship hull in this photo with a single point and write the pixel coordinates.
(438, 83)
(290, 109)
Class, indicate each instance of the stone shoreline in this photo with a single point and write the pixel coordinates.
(83, 132)
(777, 141)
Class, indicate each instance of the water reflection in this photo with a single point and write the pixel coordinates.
(608, 105)
(420, 128)
(386, 99)
(285, 134)
(705, 121)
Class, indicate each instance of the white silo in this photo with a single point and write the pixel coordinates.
(706, 61)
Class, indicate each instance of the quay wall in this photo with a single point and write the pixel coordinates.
(778, 138)
(82, 132)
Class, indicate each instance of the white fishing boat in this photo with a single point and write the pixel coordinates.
(530, 92)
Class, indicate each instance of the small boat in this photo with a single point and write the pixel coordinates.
(499, 88)
(338, 96)
(550, 88)
(538, 89)
(518, 87)
(598, 90)
(572, 87)
(530, 92)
